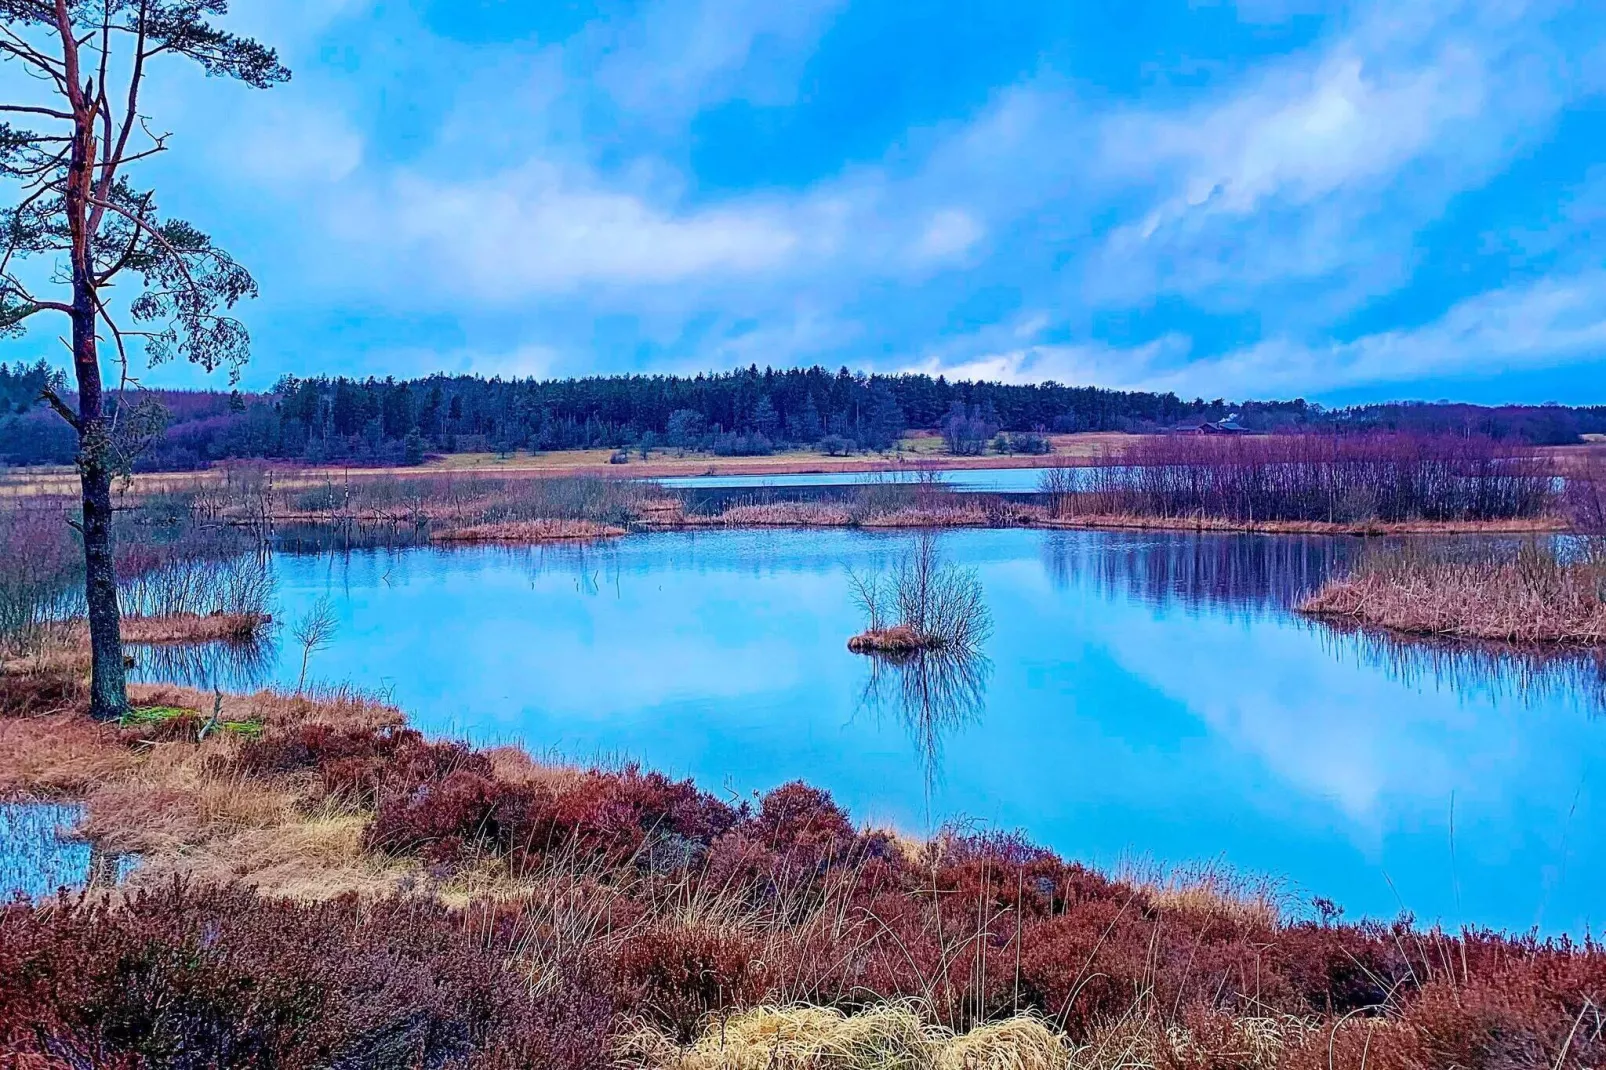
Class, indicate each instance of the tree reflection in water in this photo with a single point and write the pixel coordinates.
(933, 692)
(1234, 572)
(242, 666)
(1529, 674)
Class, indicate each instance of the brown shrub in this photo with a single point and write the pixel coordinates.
(218, 977)
(680, 974)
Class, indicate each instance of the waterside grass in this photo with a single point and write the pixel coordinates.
(338, 877)
(1536, 592)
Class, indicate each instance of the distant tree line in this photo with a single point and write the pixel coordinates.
(740, 413)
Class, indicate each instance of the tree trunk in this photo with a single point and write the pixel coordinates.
(108, 686)
(108, 690)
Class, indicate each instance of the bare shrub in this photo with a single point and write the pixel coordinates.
(1391, 478)
(923, 604)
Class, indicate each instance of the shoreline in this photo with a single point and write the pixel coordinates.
(311, 834)
(670, 517)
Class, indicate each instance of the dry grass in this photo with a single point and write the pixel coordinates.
(530, 531)
(899, 1036)
(193, 628)
(62, 755)
(887, 1037)
(899, 639)
(1211, 890)
(182, 807)
(919, 448)
(967, 511)
(1531, 595)
(1136, 522)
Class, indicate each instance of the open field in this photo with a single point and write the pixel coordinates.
(923, 450)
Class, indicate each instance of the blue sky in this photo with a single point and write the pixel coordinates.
(1344, 201)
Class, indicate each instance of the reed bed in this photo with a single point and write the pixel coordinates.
(194, 628)
(1331, 479)
(1536, 592)
(530, 531)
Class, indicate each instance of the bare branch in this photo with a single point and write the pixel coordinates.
(53, 399)
(29, 110)
(133, 244)
(114, 157)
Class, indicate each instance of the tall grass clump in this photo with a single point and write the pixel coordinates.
(1536, 591)
(1387, 478)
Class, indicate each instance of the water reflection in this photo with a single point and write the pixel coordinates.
(222, 666)
(1495, 672)
(1199, 570)
(933, 693)
(39, 855)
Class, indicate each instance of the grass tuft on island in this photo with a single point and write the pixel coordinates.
(1550, 592)
(194, 628)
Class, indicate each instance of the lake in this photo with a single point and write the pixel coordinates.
(1145, 696)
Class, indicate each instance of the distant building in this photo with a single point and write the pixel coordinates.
(1227, 426)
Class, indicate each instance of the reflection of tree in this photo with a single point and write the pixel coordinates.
(1198, 569)
(932, 692)
(242, 666)
(1530, 674)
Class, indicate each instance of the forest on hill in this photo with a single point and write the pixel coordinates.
(323, 419)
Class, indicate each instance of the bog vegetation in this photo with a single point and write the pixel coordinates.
(1387, 478)
(922, 604)
(335, 889)
(1550, 591)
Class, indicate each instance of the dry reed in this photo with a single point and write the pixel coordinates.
(1533, 594)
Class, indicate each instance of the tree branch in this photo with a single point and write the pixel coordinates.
(53, 399)
(29, 110)
(156, 236)
(114, 157)
(133, 244)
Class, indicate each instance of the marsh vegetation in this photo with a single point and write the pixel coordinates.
(922, 604)
(341, 876)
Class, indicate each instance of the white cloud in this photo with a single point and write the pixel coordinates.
(1548, 323)
(283, 141)
(950, 233)
(1323, 168)
(1551, 322)
(680, 54)
(1089, 362)
(535, 230)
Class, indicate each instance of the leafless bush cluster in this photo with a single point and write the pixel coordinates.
(236, 584)
(1391, 478)
(939, 604)
(1585, 495)
(40, 570)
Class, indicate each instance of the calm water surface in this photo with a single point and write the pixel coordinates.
(1145, 696)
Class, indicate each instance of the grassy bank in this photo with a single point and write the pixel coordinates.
(329, 887)
(1533, 592)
